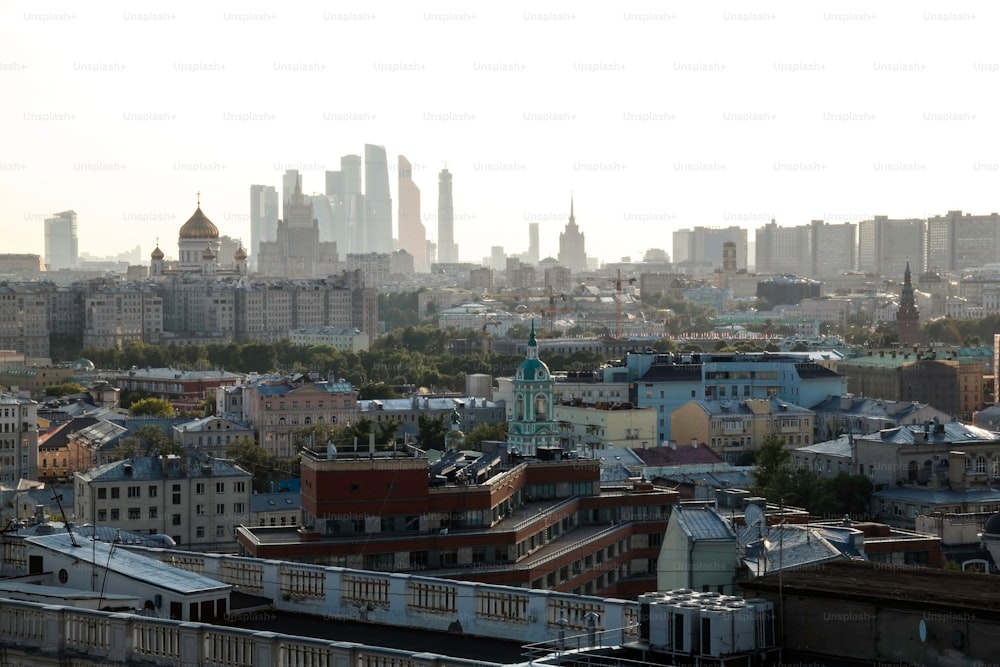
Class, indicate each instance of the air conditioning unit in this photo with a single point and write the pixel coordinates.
(685, 627)
(763, 619)
(744, 627)
(717, 631)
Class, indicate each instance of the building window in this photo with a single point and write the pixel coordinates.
(239, 487)
(152, 512)
(239, 508)
(199, 531)
(220, 487)
(152, 491)
(199, 488)
(133, 513)
(134, 492)
(114, 514)
(102, 494)
(220, 531)
(115, 492)
(102, 515)
(176, 520)
(220, 508)
(199, 509)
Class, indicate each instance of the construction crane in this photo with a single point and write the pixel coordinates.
(488, 321)
(548, 314)
(618, 302)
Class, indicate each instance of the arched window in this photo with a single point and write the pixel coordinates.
(519, 408)
(541, 407)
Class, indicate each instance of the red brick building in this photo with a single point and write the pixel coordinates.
(538, 524)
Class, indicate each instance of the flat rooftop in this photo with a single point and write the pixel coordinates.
(922, 588)
(453, 644)
(534, 510)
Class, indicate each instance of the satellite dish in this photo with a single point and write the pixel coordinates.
(753, 515)
(922, 630)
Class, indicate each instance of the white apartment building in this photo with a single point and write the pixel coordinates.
(345, 340)
(197, 500)
(18, 439)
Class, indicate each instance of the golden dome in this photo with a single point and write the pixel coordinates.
(208, 253)
(199, 227)
(240, 254)
(157, 254)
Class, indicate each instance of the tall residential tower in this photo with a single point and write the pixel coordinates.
(447, 249)
(264, 213)
(61, 243)
(378, 203)
(412, 234)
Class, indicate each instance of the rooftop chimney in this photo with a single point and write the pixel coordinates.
(956, 469)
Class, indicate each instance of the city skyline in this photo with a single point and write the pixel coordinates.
(655, 127)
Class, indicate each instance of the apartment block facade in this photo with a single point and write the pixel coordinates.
(197, 500)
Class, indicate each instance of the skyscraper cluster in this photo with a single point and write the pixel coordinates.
(353, 216)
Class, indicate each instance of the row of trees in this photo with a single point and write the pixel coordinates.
(417, 356)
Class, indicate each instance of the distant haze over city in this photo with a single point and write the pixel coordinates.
(653, 117)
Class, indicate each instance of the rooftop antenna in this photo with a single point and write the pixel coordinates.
(69, 528)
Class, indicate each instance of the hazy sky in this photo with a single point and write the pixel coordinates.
(656, 115)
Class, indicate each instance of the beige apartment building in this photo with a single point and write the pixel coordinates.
(278, 409)
(734, 427)
(197, 500)
(598, 425)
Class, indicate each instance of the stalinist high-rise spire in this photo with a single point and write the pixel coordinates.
(572, 250)
(908, 317)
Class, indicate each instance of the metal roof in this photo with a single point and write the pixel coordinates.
(148, 468)
(936, 433)
(703, 523)
(841, 446)
(129, 564)
(275, 502)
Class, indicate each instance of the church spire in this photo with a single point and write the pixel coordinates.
(572, 218)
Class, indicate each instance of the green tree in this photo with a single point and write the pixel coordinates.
(475, 437)
(205, 407)
(65, 389)
(126, 448)
(849, 494)
(431, 432)
(771, 468)
(152, 439)
(153, 407)
(376, 391)
(258, 461)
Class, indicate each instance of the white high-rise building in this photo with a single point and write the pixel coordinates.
(61, 243)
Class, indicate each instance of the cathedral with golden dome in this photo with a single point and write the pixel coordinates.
(198, 249)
